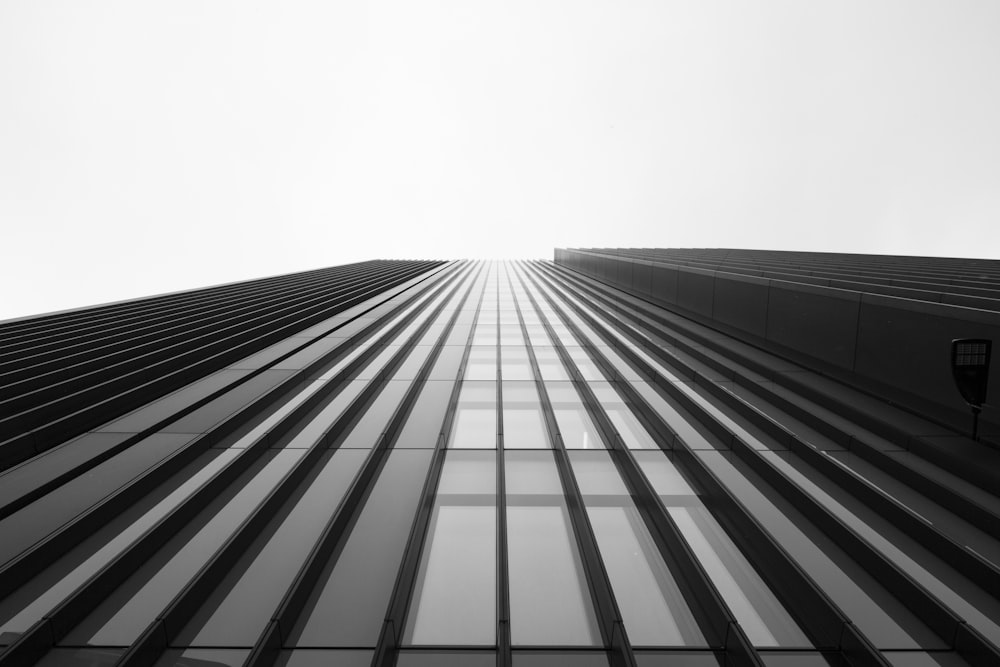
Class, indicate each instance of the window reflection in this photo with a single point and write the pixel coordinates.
(455, 597)
(482, 364)
(654, 611)
(549, 601)
(523, 423)
(476, 417)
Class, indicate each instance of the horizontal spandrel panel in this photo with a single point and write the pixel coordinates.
(36, 520)
(81, 657)
(812, 659)
(21, 609)
(315, 657)
(351, 599)
(122, 616)
(678, 659)
(202, 657)
(242, 604)
(559, 659)
(916, 659)
(446, 659)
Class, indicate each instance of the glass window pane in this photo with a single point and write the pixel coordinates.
(34, 521)
(349, 605)
(246, 599)
(596, 474)
(25, 606)
(652, 607)
(455, 597)
(549, 600)
(482, 363)
(663, 475)
(632, 432)
(531, 473)
(423, 424)
(475, 423)
(516, 364)
(577, 429)
(120, 619)
(455, 601)
(549, 604)
(468, 472)
(474, 428)
(523, 428)
(758, 611)
(523, 424)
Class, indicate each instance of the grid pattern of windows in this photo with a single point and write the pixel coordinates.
(496, 463)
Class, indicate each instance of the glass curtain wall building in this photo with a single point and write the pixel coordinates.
(472, 463)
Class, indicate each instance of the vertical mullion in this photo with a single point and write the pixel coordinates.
(168, 624)
(613, 634)
(54, 625)
(390, 638)
(826, 623)
(288, 611)
(713, 615)
(504, 656)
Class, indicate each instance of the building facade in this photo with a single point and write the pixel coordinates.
(481, 463)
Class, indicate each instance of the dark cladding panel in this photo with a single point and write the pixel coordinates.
(695, 291)
(741, 302)
(642, 277)
(923, 364)
(820, 324)
(663, 287)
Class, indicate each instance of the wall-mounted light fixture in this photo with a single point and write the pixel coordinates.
(970, 366)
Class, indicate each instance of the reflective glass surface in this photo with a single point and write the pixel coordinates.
(455, 596)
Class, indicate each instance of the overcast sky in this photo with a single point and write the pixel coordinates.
(148, 147)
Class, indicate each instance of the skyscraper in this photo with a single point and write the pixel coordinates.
(617, 458)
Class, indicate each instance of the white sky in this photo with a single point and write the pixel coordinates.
(148, 147)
